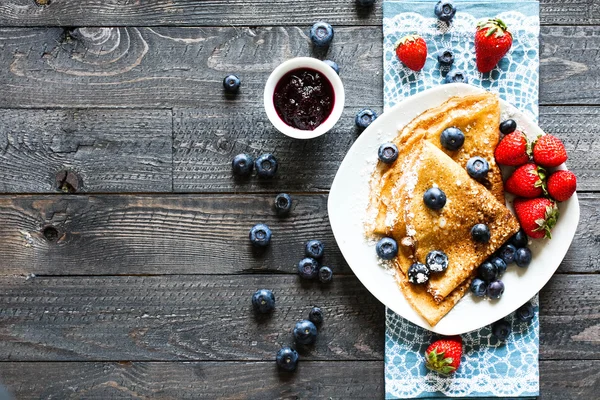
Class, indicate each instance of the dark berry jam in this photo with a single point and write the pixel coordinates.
(304, 98)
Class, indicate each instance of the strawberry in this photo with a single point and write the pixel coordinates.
(443, 355)
(512, 149)
(537, 216)
(492, 42)
(549, 151)
(528, 180)
(412, 51)
(562, 185)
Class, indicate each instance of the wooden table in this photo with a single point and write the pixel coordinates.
(138, 284)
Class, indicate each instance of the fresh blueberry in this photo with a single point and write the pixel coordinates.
(314, 249)
(478, 287)
(487, 271)
(501, 329)
(365, 3)
(316, 315)
(434, 198)
(287, 359)
(523, 257)
(388, 153)
(437, 261)
(321, 34)
(444, 10)
(283, 204)
(495, 289)
(478, 167)
(260, 235)
(507, 253)
(525, 313)
(365, 117)
(231, 84)
(418, 273)
(325, 274)
(456, 76)
(519, 239)
(445, 58)
(242, 165)
(508, 126)
(452, 138)
(266, 166)
(333, 65)
(500, 266)
(387, 248)
(480, 233)
(308, 268)
(263, 301)
(305, 332)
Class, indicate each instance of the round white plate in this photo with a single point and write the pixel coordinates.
(348, 202)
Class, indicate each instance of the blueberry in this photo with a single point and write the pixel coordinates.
(525, 313)
(519, 239)
(242, 165)
(445, 58)
(287, 359)
(387, 248)
(508, 126)
(316, 316)
(283, 204)
(308, 268)
(500, 266)
(456, 76)
(333, 65)
(418, 273)
(523, 257)
(263, 301)
(305, 332)
(501, 329)
(434, 198)
(495, 289)
(480, 233)
(365, 3)
(478, 287)
(365, 117)
(507, 253)
(388, 153)
(325, 274)
(321, 34)
(452, 138)
(314, 249)
(444, 10)
(437, 261)
(266, 166)
(260, 235)
(231, 84)
(487, 271)
(478, 167)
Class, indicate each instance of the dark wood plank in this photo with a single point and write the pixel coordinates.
(109, 150)
(188, 234)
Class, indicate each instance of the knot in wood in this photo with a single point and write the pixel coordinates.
(50, 233)
(42, 2)
(67, 181)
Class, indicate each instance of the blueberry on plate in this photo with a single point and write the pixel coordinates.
(263, 301)
(445, 58)
(434, 198)
(388, 153)
(523, 257)
(308, 268)
(456, 76)
(260, 235)
(452, 138)
(526, 312)
(305, 332)
(478, 287)
(266, 166)
(387, 248)
(283, 204)
(487, 271)
(519, 239)
(333, 65)
(325, 274)
(508, 126)
(287, 359)
(314, 249)
(500, 266)
(436, 261)
(365, 117)
(418, 273)
(507, 253)
(231, 84)
(495, 289)
(315, 315)
(480, 233)
(501, 329)
(478, 167)
(444, 10)
(242, 165)
(321, 34)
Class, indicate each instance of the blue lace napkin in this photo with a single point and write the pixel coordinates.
(490, 368)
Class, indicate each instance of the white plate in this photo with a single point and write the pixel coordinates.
(348, 201)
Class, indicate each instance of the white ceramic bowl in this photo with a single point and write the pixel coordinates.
(328, 72)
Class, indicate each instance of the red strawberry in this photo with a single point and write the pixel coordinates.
(537, 216)
(562, 185)
(492, 42)
(512, 149)
(443, 355)
(412, 51)
(549, 151)
(528, 180)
